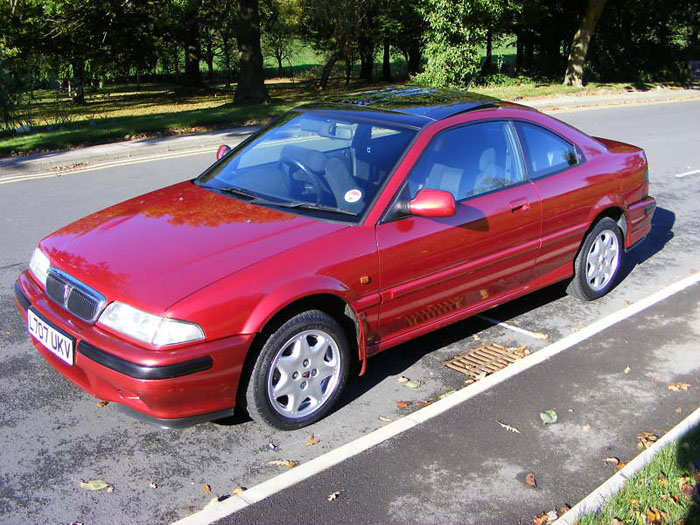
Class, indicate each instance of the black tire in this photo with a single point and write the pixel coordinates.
(319, 373)
(582, 286)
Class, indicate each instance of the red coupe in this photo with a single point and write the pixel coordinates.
(339, 230)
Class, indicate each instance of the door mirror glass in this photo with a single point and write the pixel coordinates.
(222, 151)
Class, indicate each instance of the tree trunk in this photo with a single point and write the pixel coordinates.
(486, 68)
(326, 73)
(579, 47)
(386, 62)
(79, 81)
(251, 81)
(366, 60)
(192, 46)
(280, 66)
(226, 48)
(210, 60)
(414, 58)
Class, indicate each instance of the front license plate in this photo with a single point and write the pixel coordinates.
(54, 341)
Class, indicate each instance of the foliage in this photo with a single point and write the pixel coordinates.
(457, 32)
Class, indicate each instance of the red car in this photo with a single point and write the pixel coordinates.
(340, 230)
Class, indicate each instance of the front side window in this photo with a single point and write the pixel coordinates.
(545, 152)
(468, 161)
(312, 163)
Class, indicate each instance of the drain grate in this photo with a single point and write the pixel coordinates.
(485, 359)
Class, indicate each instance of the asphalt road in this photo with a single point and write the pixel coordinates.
(52, 434)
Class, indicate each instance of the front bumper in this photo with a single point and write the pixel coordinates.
(170, 388)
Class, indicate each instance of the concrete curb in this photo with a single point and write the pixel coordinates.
(592, 503)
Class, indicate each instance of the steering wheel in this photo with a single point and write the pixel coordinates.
(318, 184)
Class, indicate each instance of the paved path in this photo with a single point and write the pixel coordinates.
(463, 467)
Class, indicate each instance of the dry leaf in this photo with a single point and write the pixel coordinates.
(688, 491)
(187, 507)
(627, 369)
(679, 410)
(615, 521)
(283, 463)
(402, 379)
(423, 403)
(413, 384)
(238, 490)
(152, 485)
(402, 404)
(93, 484)
(540, 519)
(612, 460)
(586, 427)
(621, 465)
(531, 481)
(207, 489)
(102, 404)
(311, 441)
(552, 515)
(333, 495)
(110, 489)
(677, 387)
(508, 427)
(564, 509)
(646, 439)
(476, 337)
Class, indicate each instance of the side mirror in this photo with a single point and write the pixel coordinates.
(433, 203)
(222, 151)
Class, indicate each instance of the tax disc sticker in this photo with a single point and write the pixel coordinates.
(353, 195)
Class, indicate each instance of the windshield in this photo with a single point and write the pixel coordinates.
(314, 162)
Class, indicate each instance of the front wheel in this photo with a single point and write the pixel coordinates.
(300, 372)
(598, 262)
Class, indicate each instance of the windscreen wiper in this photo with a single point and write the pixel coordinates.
(320, 207)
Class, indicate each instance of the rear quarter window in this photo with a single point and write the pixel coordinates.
(545, 152)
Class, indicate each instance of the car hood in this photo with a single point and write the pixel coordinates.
(156, 249)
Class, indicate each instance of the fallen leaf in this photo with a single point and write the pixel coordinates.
(385, 419)
(612, 460)
(540, 519)
(564, 509)
(238, 490)
(586, 427)
(152, 485)
(311, 441)
(688, 491)
(93, 484)
(402, 404)
(552, 515)
(110, 489)
(476, 337)
(508, 427)
(402, 379)
(207, 489)
(333, 495)
(653, 516)
(549, 416)
(413, 384)
(615, 521)
(424, 403)
(187, 507)
(283, 463)
(677, 387)
(102, 404)
(679, 410)
(531, 481)
(627, 369)
(443, 396)
(621, 465)
(646, 439)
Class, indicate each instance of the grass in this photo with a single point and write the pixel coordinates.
(654, 494)
(124, 112)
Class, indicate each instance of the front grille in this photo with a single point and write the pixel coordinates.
(74, 296)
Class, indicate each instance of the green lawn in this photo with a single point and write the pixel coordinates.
(664, 492)
(124, 112)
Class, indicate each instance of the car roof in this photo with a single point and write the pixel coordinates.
(413, 106)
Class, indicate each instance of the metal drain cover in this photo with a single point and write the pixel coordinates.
(485, 359)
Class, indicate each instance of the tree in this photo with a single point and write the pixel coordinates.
(457, 31)
(251, 83)
(579, 47)
(280, 28)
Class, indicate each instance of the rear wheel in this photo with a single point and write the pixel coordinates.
(598, 262)
(300, 372)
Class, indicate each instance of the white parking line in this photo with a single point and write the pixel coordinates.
(105, 165)
(535, 335)
(321, 463)
(687, 174)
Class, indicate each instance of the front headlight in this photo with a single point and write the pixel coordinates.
(39, 265)
(149, 328)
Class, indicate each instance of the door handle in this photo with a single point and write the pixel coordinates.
(519, 205)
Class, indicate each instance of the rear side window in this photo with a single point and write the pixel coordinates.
(545, 152)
